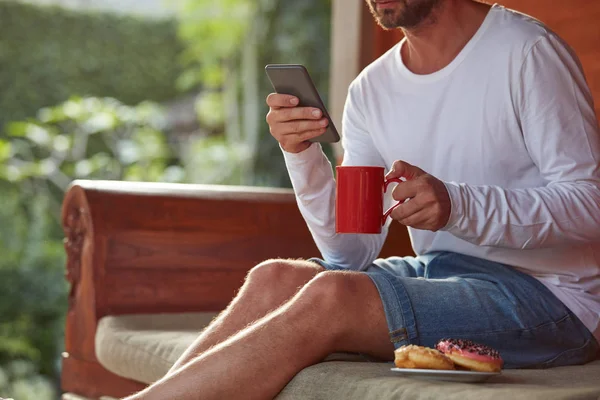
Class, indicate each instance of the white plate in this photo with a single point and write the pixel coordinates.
(446, 375)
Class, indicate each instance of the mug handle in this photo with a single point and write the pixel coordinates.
(392, 208)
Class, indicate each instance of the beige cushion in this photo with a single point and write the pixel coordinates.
(143, 348)
(360, 380)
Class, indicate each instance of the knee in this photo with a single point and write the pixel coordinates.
(278, 279)
(266, 273)
(331, 292)
(328, 302)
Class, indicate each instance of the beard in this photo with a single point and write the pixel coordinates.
(407, 14)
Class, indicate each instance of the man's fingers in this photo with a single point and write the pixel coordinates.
(312, 134)
(419, 220)
(291, 125)
(294, 114)
(304, 136)
(277, 100)
(301, 126)
(402, 169)
(405, 190)
(301, 113)
(407, 209)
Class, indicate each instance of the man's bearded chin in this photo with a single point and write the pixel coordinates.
(409, 14)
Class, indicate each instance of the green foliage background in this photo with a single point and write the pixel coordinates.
(33, 294)
(48, 54)
(90, 138)
(252, 33)
(298, 33)
(51, 62)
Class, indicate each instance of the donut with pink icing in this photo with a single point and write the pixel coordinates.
(470, 355)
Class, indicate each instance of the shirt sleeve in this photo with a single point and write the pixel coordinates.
(561, 133)
(313, 181)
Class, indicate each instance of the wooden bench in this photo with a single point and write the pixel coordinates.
(147, 248)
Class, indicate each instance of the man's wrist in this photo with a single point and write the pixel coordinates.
(454, 193)
(299, 148)
(308, 155)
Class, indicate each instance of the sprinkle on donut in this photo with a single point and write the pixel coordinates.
(469, 346)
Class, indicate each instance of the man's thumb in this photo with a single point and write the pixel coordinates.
(402, 169)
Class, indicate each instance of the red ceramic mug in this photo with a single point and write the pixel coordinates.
(359, 199)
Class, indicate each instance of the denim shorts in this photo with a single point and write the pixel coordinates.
(458, 296)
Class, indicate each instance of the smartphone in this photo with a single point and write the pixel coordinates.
(294, 79)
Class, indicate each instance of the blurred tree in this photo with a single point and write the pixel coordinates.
(90, 138)
(48, 54)
(227, 45)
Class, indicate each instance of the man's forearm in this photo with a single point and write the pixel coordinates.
(558, 214)
(313, 181)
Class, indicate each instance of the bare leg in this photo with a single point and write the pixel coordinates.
(267, 286)
(335, 311)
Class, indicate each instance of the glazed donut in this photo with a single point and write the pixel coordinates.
(412, 356)
(473, 356)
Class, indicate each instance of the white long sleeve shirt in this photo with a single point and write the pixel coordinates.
(509, 127)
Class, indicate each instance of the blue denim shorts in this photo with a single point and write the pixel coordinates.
(458, 296)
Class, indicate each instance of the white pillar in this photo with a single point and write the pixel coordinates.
(345, 53)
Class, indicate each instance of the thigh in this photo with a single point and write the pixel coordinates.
(347, 309)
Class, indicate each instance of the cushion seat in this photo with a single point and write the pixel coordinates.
(143, 348)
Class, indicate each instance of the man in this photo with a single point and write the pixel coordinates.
(506, 220)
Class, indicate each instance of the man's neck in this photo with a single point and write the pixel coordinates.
(436, 42)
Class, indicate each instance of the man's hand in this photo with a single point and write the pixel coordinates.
(429, 206)
(292, 126)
